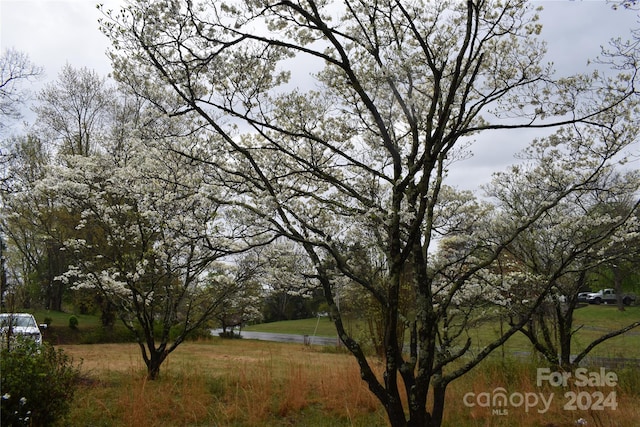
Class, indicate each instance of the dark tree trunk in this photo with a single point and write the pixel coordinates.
(3, 274)
(617, 285)
(56, 266)
(395, 413)
(439, 392)
(419, 416)
(564, 326)
(153, 364)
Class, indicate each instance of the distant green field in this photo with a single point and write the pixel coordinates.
(606, 316)
(598, 320)
(591, 321)
(321, 326)
(58, 319)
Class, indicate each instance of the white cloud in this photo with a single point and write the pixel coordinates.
(55, 32)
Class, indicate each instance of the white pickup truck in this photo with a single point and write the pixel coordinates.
(19, 324)
(608, 296)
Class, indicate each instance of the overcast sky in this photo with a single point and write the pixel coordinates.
(56, 32)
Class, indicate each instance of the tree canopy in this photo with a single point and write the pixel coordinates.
(362, 147)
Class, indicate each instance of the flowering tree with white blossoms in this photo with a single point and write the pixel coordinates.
(80, 113)
(285, 276)
(243, 304)
(365, 143)
(596, 226)
(152, 234)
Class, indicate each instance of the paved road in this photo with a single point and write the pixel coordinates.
(268, 336)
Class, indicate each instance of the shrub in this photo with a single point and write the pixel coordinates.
(73, 322)
(38, 384)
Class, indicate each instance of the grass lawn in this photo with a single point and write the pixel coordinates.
(89, 328)
(245, 383)
(248, 383)
(58, 319)
(222, 383)
(596, 320)
(591, 320)
(320, 326)
(606, 316)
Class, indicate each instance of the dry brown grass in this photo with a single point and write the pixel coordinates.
(250, 383)
(520, 377)
(240, 383)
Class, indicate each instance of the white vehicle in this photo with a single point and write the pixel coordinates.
(582, 296)
(19, 324)
(608, 296)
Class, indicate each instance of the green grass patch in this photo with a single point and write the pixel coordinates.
(89, 329)
(606, 316)
(591, 321)
(321, 326)
(595, 321)
(59, 318)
